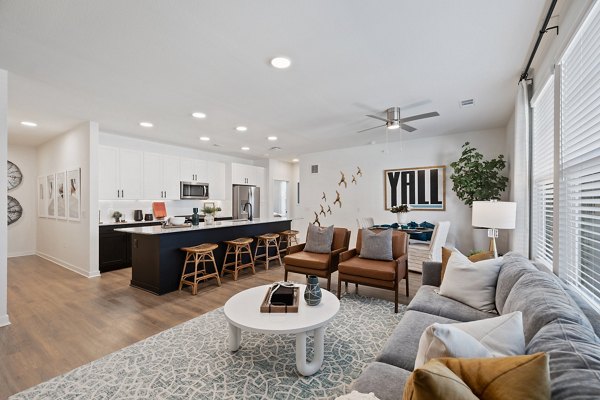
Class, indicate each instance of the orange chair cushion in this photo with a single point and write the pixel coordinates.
(307, 260)
(374, 269)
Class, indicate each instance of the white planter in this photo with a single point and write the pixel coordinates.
(209, 219)
(402, 218)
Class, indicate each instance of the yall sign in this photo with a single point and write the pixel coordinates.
(422, 188)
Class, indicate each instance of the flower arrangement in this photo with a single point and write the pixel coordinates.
(402, 208)
(209, 210)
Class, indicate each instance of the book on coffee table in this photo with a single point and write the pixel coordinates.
(283, 300)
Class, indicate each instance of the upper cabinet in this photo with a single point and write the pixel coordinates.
(216, 179)
(193, 170)
(161, 177)
(243, 174)
(120, 173)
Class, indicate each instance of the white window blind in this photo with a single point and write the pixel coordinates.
(579, 208)
(542, 175)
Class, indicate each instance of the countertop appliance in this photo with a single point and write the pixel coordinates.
(193, 190)
(246, 198)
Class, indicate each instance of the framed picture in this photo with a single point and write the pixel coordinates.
(61, 195)
(50, 196)
(210, 204)
(73, 187)
(41, 196)
(423, 188)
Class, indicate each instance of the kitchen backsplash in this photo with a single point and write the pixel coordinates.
(174, 207)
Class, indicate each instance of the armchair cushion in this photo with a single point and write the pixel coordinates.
(375, 269)
(376, 245)
(319, 239)
(307, 259)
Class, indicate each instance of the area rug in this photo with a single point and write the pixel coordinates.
(191, 361)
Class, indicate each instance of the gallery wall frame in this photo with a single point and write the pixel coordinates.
(41, 197)
(422, 188)
(73, 187)
(51, 196)
(61, 195)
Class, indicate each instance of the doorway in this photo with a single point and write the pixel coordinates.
(280, 198)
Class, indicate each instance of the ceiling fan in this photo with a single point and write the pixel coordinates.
(393, 120)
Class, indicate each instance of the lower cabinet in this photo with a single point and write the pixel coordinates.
(115, 247)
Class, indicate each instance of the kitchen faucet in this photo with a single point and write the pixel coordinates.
(249, 213)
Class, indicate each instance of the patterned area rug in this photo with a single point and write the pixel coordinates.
(191, 361)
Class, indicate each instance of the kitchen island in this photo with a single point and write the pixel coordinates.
(157, 260)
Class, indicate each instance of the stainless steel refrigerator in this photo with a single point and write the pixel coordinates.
(243, 194)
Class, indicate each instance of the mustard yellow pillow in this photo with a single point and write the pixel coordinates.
(502, 378)
(446, 253)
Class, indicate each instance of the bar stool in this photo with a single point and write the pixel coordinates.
(267, 241)
(237, 248)
(288, 237)
(202, 253)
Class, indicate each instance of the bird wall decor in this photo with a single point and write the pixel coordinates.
(354, 179)
(338, 200)
(358, 171)
(324, 198)
(329, 210)
(322, 211)
(316, 221)
(343, 180)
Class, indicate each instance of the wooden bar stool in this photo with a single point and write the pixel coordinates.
(267, 241)
(288, 237)
(202, 253)
(237, 248)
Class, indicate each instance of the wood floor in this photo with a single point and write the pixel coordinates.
(61, 320)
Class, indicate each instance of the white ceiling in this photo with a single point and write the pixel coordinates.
(121, 62)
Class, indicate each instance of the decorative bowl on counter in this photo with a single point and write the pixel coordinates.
(176, 220)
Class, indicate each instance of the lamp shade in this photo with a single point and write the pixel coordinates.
(494, 214)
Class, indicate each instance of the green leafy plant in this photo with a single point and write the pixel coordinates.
(476, 179)
(402, 208)
(117, 215)
(208, 210)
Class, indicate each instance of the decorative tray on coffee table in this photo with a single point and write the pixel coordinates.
(265, 307)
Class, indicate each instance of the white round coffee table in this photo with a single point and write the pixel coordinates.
(243, 312)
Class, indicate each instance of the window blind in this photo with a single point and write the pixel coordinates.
(579, 238)
(542, 175)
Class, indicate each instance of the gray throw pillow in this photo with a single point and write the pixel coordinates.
(376, 245)
(318, 240)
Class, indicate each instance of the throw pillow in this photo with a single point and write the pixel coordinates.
(490, 337)
(446, 253)
(376, 245)
(318, 240)
(473, 284)
(504, 378)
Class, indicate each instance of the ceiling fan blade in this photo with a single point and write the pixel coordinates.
(379, 118)
(420, 116)
(368, 129)
(407, 128)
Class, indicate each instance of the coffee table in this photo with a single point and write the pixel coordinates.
(243, 312)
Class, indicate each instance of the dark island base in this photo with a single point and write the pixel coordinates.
(158, 261)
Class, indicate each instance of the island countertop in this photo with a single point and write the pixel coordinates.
(159, 230)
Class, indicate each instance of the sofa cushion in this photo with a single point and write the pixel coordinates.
(380, 270)
(541, 300)
(428, 301)
(384, 380)
(574, 352)
(590, 312)
(318, 240)
(514, 266)
(308, 260)
(376, 245)
(401, 347)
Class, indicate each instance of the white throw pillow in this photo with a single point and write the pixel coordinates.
(491, 337)
(473, 284)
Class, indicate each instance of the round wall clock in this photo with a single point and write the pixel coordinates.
(14, 176)
(14, 210)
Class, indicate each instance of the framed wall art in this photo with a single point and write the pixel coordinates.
(41, 196)
(50, 196)
(61, 195)
(74, 194)
(423, 188)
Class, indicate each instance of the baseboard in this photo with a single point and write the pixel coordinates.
(21, 254)
(4, 320)
(68, 266)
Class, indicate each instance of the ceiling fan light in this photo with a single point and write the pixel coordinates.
(393, 125)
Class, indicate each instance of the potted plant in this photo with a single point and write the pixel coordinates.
(476, 179)
(117, 216)
(209, 213)
(401, 212)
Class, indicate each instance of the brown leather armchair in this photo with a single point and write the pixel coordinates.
(376, 273)
(322, 265)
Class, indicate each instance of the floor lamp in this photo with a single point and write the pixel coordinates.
(494, 215)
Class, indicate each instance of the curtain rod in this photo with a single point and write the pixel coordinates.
(539, 39)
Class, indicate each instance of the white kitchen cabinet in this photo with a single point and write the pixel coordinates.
(216, 179)
(120, 173)
(161, 177)
(193, 170)
(243, 174)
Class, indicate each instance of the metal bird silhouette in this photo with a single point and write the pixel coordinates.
(337, 199)
(359, 171)
(316, 221)
(322, 211)
(324, 198)
(354, 179)
(329, 210)
(343, 180)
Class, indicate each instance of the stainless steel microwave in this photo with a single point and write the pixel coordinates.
(193, 190)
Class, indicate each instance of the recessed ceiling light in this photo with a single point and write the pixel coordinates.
(281, 62)
(199, 115)
(204, 138)
(272, 138)
(28, 123)
(245, 148)
(241, 128)
(295, 160)
(146, 124)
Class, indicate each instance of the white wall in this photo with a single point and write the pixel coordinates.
(22, 234)
(281, 171)
(3, 229)
(72, 244)
(366, 199)
(174, 207)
